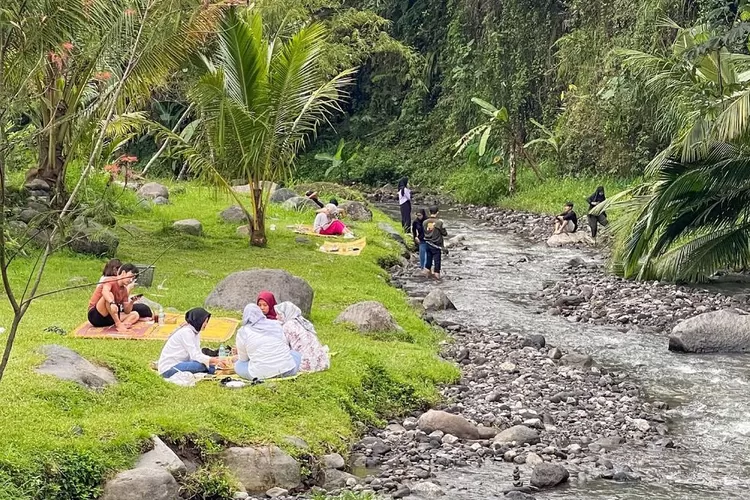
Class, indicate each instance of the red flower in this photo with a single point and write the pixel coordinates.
(103, 76)
(68, 46)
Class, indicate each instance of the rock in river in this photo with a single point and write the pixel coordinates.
(718, 331)
(142, 484)
(262, 468)
(549, 475)
(437, 300)
(456, 425)
(519, 434)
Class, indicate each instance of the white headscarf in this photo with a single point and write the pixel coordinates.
(254, 319)
(290, 312)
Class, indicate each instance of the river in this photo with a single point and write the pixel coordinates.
(493, 284)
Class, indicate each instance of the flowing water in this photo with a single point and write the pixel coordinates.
(492, 285)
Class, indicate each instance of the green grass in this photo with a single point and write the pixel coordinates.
(59, 439)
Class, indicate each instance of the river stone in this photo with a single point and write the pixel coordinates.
(609, 443)
(437, 300)
(141, 484)
(391, 232)
(281, 195)
(89, 237)
(535, 341)
(717, 331)
(577, 360)
(369, 316)
(233, 215)
(67, 364)
(189, 226)
(261, 468)
(335, 479)
(300, 203)
(426, 489)
(333, 461)
(277, 492)
(239, 289)
(152, 190)
(549, 475)
(518, 495)
(518, 434)
(569, 239)
(356, 210)
(161, 456)
(448, 423)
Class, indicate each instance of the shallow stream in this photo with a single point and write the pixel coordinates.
(492, 285)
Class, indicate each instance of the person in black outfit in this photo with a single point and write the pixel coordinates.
(404, 203)
(594, 220)
(566, 222)
(417, 231)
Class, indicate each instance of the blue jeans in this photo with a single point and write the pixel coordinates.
(190, 367)
(422, 255)
(242, 368)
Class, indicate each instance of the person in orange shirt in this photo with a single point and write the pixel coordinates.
(110, 304)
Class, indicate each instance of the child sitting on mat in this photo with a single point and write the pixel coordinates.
(182, 352)
(326, 222)
(262, 348)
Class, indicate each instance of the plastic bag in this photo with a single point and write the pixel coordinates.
(183, 379)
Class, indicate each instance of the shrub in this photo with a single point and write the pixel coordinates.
(478, 185)
(209, 483)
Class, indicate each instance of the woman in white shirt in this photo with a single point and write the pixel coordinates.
(262, 348)
(404, 202)
(182, 352)
(326, 222)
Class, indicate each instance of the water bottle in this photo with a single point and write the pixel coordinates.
(223, 351)
(161, 316)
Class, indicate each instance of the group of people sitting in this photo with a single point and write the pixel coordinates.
(327, 221)
(274, 341)
(567, 221)
(111, 303)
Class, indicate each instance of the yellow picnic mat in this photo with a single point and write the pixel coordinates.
(308, 230)
(352, 248)
(218, 329)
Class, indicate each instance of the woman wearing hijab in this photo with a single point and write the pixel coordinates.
(326, 222)
(182, 352)
(417, 231)
(267, 303)
(404, 202)
(594, 220)
(262, 348)
(302, 338)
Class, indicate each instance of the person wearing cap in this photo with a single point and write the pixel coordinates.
(326, 222)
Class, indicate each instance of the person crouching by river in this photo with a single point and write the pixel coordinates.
(594, 220)
(263, 349)
(434, 234)
(417, 231)
(567, 221)
(326, 222)
(182, 352)
(404, 203)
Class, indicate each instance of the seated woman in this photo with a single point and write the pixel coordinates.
(182, 352)
(267, 303)
(301, 335)
(262, 349)
(110, 304)
(326, 222)
(110, 269)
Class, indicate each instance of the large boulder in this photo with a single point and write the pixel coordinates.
(548, 475)
(240, 289)
(141, 484)
(66, 364)
(369, 316)
(37, 185)
(152, 190)
(356, 210)
(161, 456)
(717, 331)
(282, 194)
(519, 434)
(456, 425)
(234, 215)
(437, 300)
(300, 203)
(262, 468)
(189, 226)
(569, 239)
(334, 479)
(89, 237)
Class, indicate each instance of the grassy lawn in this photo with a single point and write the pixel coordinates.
(59, 440)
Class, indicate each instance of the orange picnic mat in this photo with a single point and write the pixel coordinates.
(218, 329)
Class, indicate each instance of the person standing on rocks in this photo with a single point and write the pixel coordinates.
(417, 231)
(567, 221)
(434, 234)
(594, 220)
(404, 202)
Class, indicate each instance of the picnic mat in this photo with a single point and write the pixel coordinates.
(218, 329)
(352, 248)
(309, 231)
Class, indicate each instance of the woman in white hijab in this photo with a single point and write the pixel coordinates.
(262, 348)
(302, 338)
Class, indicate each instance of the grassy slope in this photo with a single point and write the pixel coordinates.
(41, 416)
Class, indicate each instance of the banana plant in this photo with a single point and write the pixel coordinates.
(337, 160)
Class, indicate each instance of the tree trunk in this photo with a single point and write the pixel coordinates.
(512, 171)
(258, 227)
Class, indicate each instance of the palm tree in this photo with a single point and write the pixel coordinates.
(692, 220)
(259, 101)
